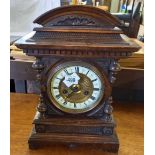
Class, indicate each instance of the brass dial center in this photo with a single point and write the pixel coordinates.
(75, 88)
(77, 93)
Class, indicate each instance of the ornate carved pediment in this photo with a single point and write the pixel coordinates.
(83, 31)
(74, 21)
(77, 16)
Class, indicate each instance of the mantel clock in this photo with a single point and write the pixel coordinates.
(77, 49)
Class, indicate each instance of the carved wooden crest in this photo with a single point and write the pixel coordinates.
(74, 21)
(77, 16)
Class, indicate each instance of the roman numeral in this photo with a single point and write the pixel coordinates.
(94, 80)
(96, 89)
(65, 103)
(87, 73)
(66, 71)
(58, 96)
(55, 87)
(58, 78)
(77, 69)
(93, 98)
(74, 105)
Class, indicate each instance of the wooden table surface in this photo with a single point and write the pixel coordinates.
(129, 117)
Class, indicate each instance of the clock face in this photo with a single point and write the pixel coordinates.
(75, 87)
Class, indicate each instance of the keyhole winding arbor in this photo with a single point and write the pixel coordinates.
(77, 49)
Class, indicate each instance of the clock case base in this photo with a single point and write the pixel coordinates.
(74, 131)
(106, 143)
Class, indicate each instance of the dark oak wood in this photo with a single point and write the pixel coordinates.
(80, 30)
(85, 42)
(109, 144)
(92, 12)
(20, 67)
(72, 34)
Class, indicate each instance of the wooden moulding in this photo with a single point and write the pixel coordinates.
(106, 143)
(80, 30)
(74, 125)
(77, 31)
(88, 133)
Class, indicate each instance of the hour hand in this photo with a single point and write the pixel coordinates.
(69, 93)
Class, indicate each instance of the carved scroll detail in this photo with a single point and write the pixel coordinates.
(108, 109)
(75, 21)
(39, 67)
(114, 68)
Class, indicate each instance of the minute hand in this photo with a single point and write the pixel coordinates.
(69, 95)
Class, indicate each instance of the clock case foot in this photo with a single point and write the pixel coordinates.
(73, 132)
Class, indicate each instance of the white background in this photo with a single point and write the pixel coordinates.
(24, 12)
(149, 23)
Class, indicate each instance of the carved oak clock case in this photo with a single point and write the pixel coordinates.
(77, 49)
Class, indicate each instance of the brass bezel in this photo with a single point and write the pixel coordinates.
(65, 64)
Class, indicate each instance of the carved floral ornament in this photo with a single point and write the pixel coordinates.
(74, 21)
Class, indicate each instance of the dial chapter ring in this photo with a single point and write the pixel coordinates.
(54, 70)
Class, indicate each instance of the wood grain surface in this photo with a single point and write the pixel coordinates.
(134, 61)
(129, 118)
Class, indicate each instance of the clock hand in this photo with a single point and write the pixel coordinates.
(69, 95)
(73, 89)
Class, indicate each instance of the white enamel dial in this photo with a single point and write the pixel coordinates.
(76, 88)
